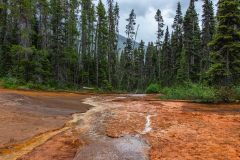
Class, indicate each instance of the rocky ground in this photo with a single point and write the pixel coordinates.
(65, 126)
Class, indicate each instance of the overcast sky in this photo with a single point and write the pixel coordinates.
(146, 10)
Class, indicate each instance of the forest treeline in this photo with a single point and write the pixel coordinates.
(74, 43)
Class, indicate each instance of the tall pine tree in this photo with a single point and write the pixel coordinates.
(208, 29)
(102, 45)
(166, 60)
(225, 56)
(128, 51)
(190, 67)
(159, 20)
(177, 41)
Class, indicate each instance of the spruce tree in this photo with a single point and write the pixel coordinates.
(150, 64)
(111, 38)
(3, 29)
(42, 11)
(166, 60)
(139, 66)
(87, 34)
(208, 23)
(71, 34)
(192, 45)
(128, 51)
(24, 16)
(102, 46)
(57, 38)
(177, 41)
(225, 55)
(116, 17)
(159, 20)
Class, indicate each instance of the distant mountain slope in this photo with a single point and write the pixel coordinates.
(122, 40)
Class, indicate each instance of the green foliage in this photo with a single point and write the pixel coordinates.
(128, 55)
(153, 88)
(225, 46)
(107, 86)
(237, 91)
(177, 44)
(42, 47)
(226, 94)
(10, 83)
(14, 83)
(189, 91)
(36, 67)
(166, 63)
(192, 44)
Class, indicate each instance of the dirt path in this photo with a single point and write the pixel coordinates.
(135, 127)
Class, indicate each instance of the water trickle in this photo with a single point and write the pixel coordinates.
(148, 127)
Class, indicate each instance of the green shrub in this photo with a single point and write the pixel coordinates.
(228, 94)
(190, 91)
(153, 88)
(10, 83)
(107, 86)
(237, 90)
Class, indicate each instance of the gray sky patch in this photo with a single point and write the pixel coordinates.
(146, 9)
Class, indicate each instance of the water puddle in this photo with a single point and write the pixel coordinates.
(124, 148)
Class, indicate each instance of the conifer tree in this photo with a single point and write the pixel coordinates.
(150, 64)
(3, 29)
(42, 11)
(159, 20)
(225, 57)
(128, 51)
(192, 45)
(139, 66)
(177, 41)
(87, 33)
(71, 35)
(208, 23)
(166, 59)
(111, 39)
(102, 45)
(116, 17)
(57, 38)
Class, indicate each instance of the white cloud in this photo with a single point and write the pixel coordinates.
(145, 11)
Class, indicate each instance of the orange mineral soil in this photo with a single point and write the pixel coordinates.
(70, 126)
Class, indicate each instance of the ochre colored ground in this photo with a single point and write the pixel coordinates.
(182, 130)
(25, 114)
(143, 125)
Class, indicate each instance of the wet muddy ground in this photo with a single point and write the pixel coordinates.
(66, 126)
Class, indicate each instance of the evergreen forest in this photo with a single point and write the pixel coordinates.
(74, 44)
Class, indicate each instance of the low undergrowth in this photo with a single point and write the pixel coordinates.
(153, 88)
(13, 83)
(197, 93)
(188, 91)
